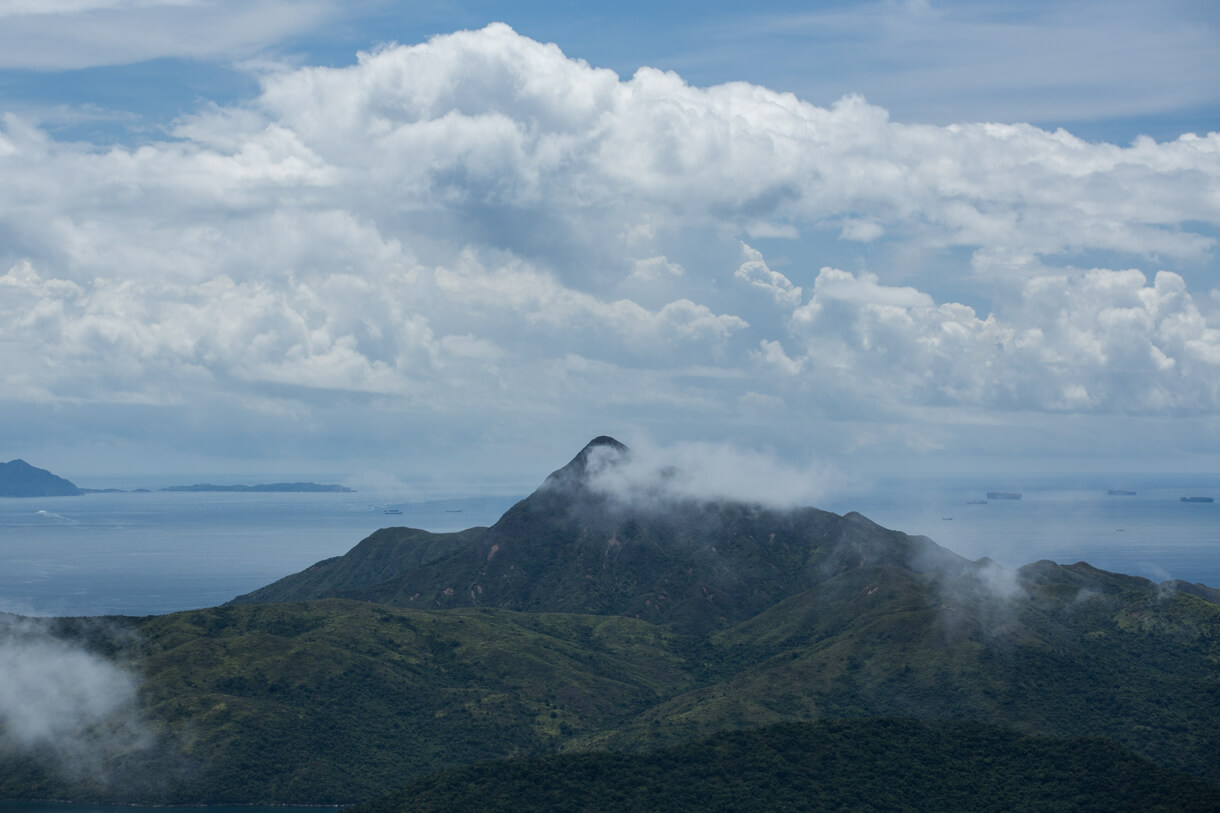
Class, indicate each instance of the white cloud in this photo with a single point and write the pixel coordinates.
(1103, 341)
(482, 224)
(861, 231)
(956, 60)
(655, 268)
(19, 8)
(755, 271)
(69, 34)
(654, 475)
(61, 703)
(737, 153)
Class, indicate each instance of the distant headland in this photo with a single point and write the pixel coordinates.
(19, 479)
(268, 487)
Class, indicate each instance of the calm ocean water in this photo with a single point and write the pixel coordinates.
(1062, 518)
(160, 552)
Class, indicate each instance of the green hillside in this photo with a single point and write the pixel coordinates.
(417, 652)
(338, 701)
(859, 765)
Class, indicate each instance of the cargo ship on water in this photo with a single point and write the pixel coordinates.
(1003, 495)
(1197, 499)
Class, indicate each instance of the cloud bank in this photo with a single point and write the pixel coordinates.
(482, 224)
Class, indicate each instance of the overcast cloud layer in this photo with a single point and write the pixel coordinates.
(481, 237)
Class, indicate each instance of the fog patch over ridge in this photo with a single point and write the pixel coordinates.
(650, 476)
(69, 709)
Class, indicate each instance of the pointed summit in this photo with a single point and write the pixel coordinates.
(603, 450)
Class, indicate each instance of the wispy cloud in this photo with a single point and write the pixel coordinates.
(1039, 61)
(72, 34)
(34, 8)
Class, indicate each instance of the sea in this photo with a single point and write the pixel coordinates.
(139, 553)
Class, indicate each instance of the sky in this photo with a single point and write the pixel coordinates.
(457, 240)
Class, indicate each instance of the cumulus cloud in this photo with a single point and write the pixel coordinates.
(1101, 341)
(63, 704)
(481, 218)
(755, 271)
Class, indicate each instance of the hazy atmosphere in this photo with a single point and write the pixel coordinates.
(374, 239)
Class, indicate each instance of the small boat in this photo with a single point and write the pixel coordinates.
(453, 510)
(1003, 495)
(393, 510)
(976, 502)
(1198, 499)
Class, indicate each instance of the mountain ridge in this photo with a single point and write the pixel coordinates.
(573, 547)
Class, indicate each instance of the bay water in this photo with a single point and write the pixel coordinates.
(1063, 518)
(147, 553)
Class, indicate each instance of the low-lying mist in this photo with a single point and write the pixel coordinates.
(648, 475)
(64, 706)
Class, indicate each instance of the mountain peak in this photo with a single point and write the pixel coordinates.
(603, 449)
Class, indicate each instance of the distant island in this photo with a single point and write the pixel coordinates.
(268, 487)
(20, 479)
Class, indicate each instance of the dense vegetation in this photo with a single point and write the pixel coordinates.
(747, 618)
(857, 765)
(337, 701)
